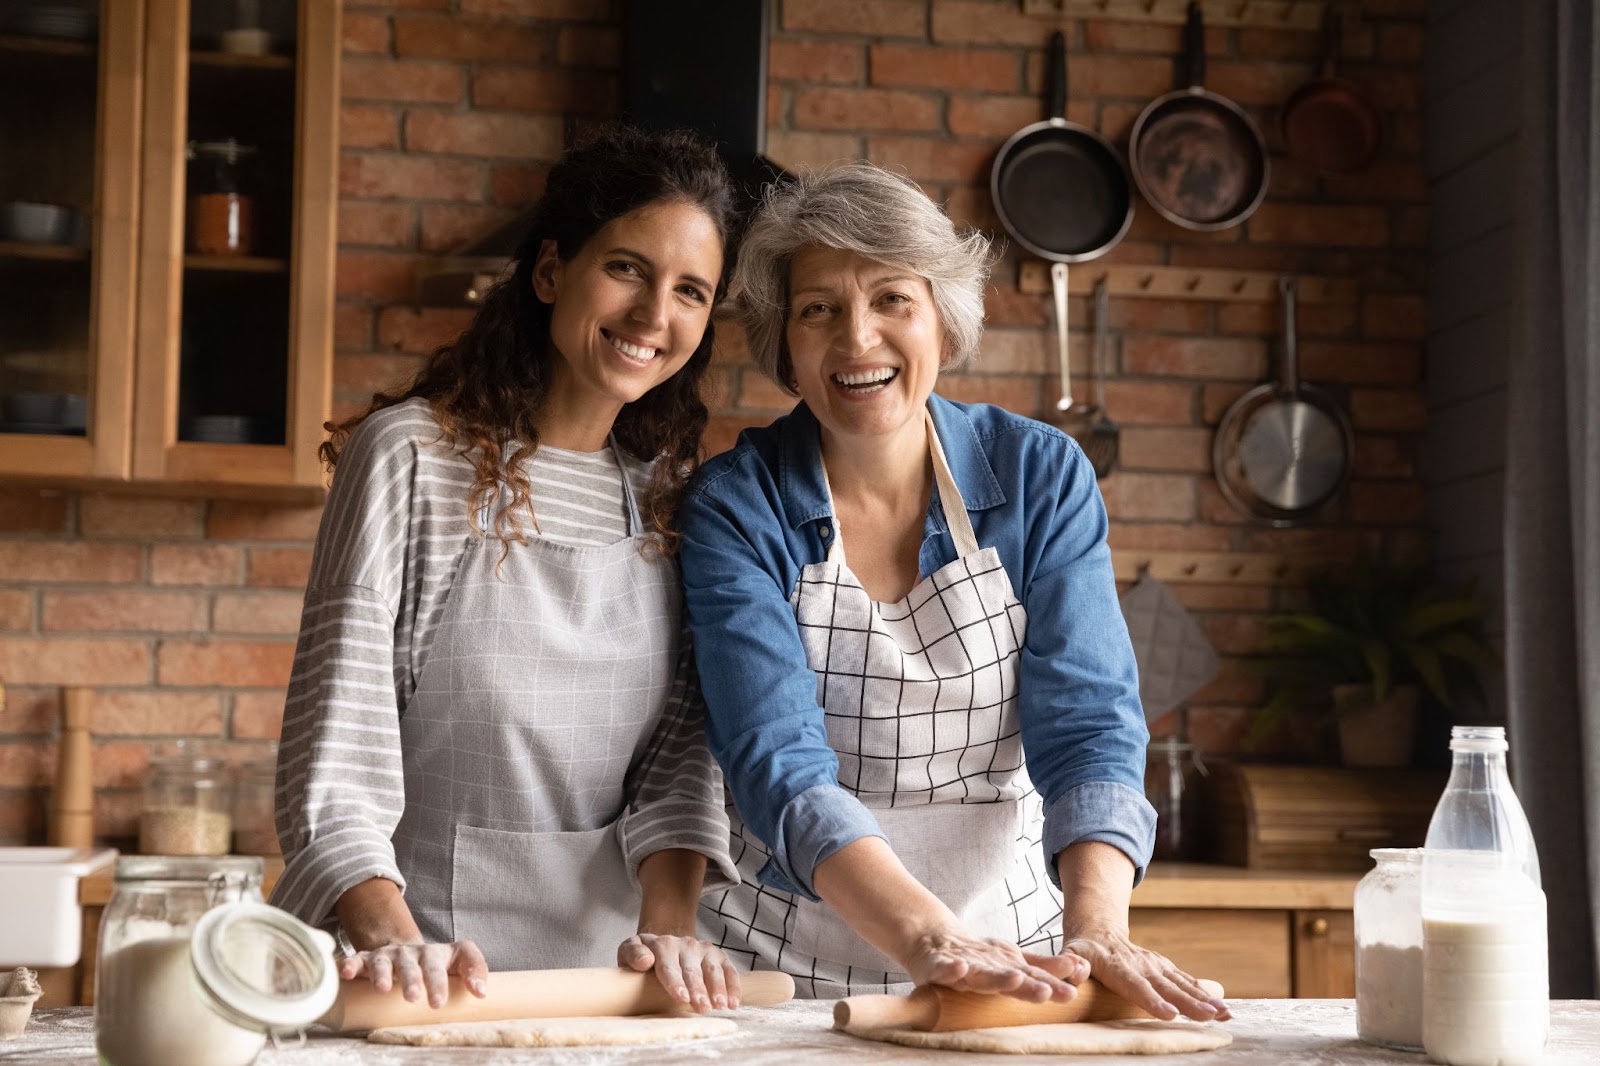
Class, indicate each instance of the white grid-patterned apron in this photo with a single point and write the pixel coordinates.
(920, 705)
(544, 681)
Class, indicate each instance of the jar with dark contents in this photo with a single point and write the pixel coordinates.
(222, 197)
(1172, 773)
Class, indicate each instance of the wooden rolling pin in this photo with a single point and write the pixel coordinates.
(592, 993)
(937, 1010)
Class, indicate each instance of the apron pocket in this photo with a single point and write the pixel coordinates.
(538, 901)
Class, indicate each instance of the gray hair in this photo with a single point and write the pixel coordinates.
(861, 208)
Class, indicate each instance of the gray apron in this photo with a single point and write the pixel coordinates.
(919, 700)
(543, 685)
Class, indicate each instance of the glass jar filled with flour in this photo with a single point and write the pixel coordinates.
(195, 970)
(188, 803)
(1485, 950)
(1388, 921)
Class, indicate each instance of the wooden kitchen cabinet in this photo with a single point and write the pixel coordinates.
(196, 370)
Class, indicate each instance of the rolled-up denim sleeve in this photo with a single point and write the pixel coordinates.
(764, 725)
(1083, 727)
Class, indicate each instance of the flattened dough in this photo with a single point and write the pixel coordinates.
(1141, 1036)
(554, 1032)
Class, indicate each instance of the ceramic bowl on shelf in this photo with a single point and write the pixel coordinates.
(51, 412)
(33, 223)
(67, 22)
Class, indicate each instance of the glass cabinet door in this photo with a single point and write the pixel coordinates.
(69, 137)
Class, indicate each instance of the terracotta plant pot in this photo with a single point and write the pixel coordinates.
(1376, 734)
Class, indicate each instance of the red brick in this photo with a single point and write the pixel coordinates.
(1387, 503)
(1004, 305)
(758, 393)
(257, 612)
(515, 185)
(1361, 364)
(404, 80)
(1215, 508)
(1161, 38)
(1399, 43)
(367, 374)
(467, 39)
(950, 69)
(352, 327)
(589, 46)
(484, 134)
(1094, 77)
(992, 116)
(46, 562)
(551, 92)
(409, 178)
(258, 714)
(384, 225)
(1280, 260)
(1388, 410)
(389, 5)
(1149, 226)
(1231, 597)
(63, 661)
(28, 764)
(1164, 497)
(156, 712)
(1339, 227)
(1219, 730)
(124, 610)
(446, 227)
(1152, 448)
(729, 345)
(1383, 457)
(971, 206)
(776, 106)
(563, 10)
(33, 511)
(1235, 634)
(421, 329)
(238, 520)
(1254, 81)
(932, 159)
(881, 18)
(1403, 316)
(1409, 228)
(249, 664)
(1023, 351)
(1150, 403)
(1133, 538)
(1193, 357)
(978, 22)
(366, 126)
(1157, 316)
(831, 62)
(116, 813)
(1385, 181)
(865, 109)
(365, 34)
(1216, 399)
(123, 764)
(794, 149)
(16, 609)
(209, 564)
(1019, 395)
(1266, 319)
(1309, 545)
(124, 516)
(378, 275)
(284, 568)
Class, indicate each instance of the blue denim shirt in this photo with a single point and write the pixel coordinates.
(755, 515)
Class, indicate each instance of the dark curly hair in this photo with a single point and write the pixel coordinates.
(488, 387)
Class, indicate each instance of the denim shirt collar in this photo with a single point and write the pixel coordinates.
(805, 495)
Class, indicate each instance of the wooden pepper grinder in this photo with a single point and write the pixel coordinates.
(72, 802)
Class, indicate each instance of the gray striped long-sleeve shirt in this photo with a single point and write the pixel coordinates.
(394, 530)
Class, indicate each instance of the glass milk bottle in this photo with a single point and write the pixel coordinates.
(1485, 975)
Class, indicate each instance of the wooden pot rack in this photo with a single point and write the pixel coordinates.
(1186, 283)
(1213, 568)
(1271, 14)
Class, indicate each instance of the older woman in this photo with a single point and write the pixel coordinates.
(920, 686)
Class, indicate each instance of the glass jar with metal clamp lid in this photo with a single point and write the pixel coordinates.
(194, 968)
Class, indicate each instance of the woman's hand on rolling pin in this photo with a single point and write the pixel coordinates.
(694, 972)
(420, 968)
(957, 959)
(1145, 978)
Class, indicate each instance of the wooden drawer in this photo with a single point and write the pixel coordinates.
(1247, 951)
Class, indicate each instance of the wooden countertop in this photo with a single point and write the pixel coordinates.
(1266, 1032)
(1168, 884)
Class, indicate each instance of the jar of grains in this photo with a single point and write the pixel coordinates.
(195, 970)
(1388, 931)
(188, 804)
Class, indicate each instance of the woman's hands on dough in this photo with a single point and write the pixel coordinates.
(420, 968)
(957, 959)
(1145, 978)
(694, 972)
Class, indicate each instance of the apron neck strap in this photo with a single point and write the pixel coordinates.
(631, 513)
(950, 501)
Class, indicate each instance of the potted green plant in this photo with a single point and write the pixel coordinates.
(1373, 635)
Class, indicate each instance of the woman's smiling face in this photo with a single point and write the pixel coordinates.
(631, 307)
(864, 340)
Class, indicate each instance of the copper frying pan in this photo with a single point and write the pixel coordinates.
(1328, 124)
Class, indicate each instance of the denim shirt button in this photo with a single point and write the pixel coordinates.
(826, 531)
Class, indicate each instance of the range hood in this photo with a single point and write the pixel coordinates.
(706, 73)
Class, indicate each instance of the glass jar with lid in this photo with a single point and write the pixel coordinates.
(194, 968)
(222, 197)
(1388, 931)
(1172, 773)
(188, 803)
(255, 830)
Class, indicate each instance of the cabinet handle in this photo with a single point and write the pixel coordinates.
(1317, 927)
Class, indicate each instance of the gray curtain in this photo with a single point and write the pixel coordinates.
(1552, 562)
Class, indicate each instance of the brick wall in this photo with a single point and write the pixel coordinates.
(181, 614)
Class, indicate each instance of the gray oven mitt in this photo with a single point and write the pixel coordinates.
(1175, 658)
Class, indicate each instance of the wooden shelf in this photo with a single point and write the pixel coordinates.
(1270, 14)
(1212, 568)
(47, 46)
(228, 59)
(236, 264)
(59, 253)
(1186, 283)
(1185, 884)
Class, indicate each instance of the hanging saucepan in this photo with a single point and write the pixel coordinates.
(1328, 124)
(1196, 156)
(1283, 448)
(1063, 193)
